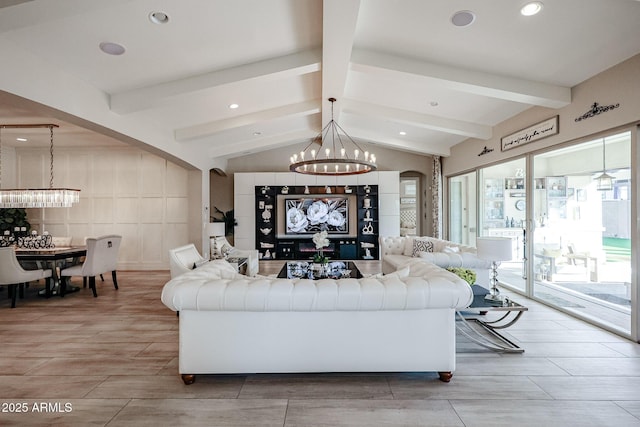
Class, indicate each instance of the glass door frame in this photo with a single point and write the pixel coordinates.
(472, 215)
(529, 225)
(635, 229)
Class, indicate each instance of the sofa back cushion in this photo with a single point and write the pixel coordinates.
(404, 245)
(463, 260)
(427, 287)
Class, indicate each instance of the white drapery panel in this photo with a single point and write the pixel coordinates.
(436, 191)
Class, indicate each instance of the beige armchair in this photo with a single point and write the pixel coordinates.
(12, 274)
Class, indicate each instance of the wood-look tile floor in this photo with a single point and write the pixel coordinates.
(112, 361)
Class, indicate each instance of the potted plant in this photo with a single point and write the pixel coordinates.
(13, 217)
(228, 219)
(321, 241)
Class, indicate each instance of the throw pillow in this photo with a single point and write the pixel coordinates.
(451, 249)
(408, 246)
(421, 246)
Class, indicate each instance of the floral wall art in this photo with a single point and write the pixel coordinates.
(311, 215)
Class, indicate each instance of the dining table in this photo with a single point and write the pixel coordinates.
(54, 259)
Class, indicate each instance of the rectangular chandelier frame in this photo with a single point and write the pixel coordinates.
(36, 197)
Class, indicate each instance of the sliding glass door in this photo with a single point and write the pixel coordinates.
(582, 234)
(568, 214)
(503, 201)
(462, 209)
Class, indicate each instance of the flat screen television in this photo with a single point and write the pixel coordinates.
(310, 214)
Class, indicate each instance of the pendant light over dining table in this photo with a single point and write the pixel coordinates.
(36, 197)
(333, 152)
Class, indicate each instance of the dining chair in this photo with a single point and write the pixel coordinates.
(13, 275)
(102, 257)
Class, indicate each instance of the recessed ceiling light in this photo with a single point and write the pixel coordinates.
(158, 17)
(403, 133)
(531, 8)
(434, 103)
(257, 133)
(21, 139)
(112, 48)
(233, 106)
(463, 18)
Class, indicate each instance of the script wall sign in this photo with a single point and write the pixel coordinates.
(532, 133)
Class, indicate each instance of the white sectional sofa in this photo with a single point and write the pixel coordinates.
(230, 323)
(397, 251)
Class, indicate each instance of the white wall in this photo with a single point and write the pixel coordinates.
(388, 183)
(8, 162)
(153, 203)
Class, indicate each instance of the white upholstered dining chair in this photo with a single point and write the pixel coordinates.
(13, 275)
(102, 257)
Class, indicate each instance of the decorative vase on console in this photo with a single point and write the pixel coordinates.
(320, 261)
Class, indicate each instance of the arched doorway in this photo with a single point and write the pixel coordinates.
(411, 209)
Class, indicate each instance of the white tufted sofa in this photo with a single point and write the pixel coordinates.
(230, 323)
(396, 251)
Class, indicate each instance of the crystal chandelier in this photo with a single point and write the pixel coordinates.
(36, 197)
(331, 153)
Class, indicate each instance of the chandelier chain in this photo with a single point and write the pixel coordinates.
(51, 157)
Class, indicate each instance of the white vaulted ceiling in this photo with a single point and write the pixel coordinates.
(388, 62)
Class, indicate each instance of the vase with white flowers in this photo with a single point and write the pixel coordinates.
(321, 241)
